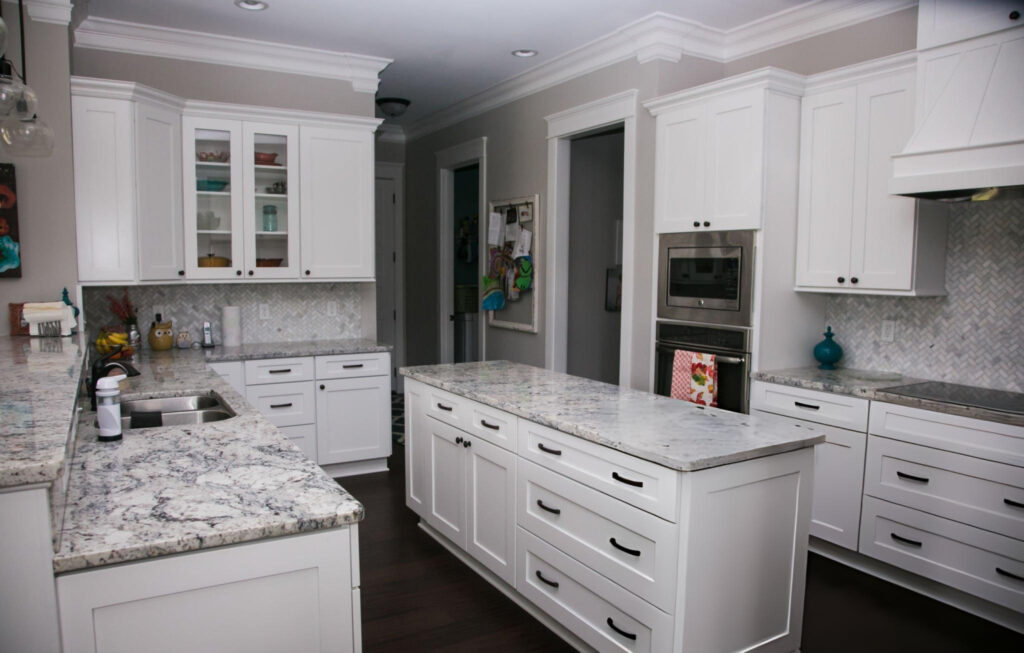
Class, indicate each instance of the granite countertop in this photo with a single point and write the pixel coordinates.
(669, 432)
(256, 351)
(39, 380)
(172, 489)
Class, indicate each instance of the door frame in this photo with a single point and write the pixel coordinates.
(562, 128)
(396, 173)
(448, 160)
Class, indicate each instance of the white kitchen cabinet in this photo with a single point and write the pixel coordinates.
(233, 372)
(271, 214)
(159, 198)
(351, 416)
(337, 202)
(491, 507)
(302, 436)
(446, 503)
(710, 150)
(284, 404)
(852, 235)
(946, 21)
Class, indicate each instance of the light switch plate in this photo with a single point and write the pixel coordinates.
(888, 330)
(332, 308)
(264, 311)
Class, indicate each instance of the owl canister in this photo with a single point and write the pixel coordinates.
(828, 352)
(161, 335)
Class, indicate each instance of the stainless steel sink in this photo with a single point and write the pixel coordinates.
(174, 411)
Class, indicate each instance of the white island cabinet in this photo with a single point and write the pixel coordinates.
(612, 551)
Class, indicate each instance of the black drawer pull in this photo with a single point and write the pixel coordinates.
(285, 371)
(553, 452)
(1003, 572)
(541, 578)
(620, 479)
(904, 540)
(447, 409)
(632, 552)
(287, 405)
(487, 425)
(352, 366)
(553, 511)
(1015, 504)
(911, 477)
(611, 624)
(800, 404)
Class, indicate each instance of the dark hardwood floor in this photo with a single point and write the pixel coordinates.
(416, 596)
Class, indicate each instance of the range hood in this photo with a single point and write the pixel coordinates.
(968, 143)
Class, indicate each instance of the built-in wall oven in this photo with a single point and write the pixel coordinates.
(731, 347)
(706, 277)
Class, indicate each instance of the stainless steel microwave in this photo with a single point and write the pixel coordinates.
(706, 277)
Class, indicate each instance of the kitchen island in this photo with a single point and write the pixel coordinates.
(621, 519)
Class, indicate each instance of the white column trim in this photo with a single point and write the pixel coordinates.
(57, 12)
(396, 173)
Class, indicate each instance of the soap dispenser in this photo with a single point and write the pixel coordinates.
(108, 407)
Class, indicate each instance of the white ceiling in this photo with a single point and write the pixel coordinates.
(443, 50)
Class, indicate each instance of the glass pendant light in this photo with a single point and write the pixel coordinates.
(10, 88)
(22, 132)
(26, 137)
(3, 37)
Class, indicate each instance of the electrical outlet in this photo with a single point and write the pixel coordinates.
(888, 330)
(264, 311)
(332, 308)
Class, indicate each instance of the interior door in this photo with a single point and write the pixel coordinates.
(384, 207)
(491, 507)
(447, 481)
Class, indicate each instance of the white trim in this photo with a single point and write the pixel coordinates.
(848, 75)
(150, 40)
(457, 156)
(768, 78)
(204, 109)
(389, 133)
(57, 12)
(617, 108)
(396, 173)
(120, 90)
(661, 36)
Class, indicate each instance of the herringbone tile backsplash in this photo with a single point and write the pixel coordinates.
(298, 311)
(973, 336)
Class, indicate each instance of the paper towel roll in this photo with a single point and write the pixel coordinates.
(231, 326)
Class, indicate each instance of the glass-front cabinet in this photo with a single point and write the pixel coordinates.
(270, 203)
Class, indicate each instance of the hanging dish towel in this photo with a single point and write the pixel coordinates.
(695, 377)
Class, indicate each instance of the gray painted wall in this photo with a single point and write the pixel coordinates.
(595, 206)
(391, 152)
(46, 196)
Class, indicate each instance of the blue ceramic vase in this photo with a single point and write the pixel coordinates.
(828, 352)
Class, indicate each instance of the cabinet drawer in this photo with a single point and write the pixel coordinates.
(978, 562)
(493, 425)
(284, 404)
(811, 405)
(637, 482)
(595, 609)
(633, 548)
(978, 492)
(449, 408)
(974, 437)
(347, 366)
(278, 370)
(303, 436)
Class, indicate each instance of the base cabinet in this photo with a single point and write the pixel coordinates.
(351, 415)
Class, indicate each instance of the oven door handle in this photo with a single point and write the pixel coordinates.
(721, 358)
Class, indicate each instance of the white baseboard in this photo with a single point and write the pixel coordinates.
(507, 590)
(930, 588)
(356, 468)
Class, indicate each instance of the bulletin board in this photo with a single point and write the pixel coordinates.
(509, 289)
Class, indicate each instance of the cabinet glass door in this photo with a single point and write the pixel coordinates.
(212, 180)
(271, 200)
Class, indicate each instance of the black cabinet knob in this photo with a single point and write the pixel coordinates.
(696, 223)
(181, 273)
(707, 224)
(323, 387)
(1014, 15)
(238, 272)
(307, 273)
(841, 279)
(458, 439)
(250, 273)
(854, 279)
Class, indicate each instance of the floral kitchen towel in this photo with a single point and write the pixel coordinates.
(695, 377)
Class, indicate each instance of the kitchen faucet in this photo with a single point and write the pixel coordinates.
(102, 366)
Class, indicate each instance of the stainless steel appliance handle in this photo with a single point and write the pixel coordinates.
(721, 358)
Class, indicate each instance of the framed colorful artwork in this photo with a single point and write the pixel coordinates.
(10, 243)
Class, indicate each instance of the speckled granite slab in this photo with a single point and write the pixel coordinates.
(294, 349)
(39, 379)
(173, 489)
(669, 432)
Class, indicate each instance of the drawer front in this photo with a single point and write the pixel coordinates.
(278, 370)
(302, 436)
(493, 425)
(974, 437)
(595, 609)
(637, 482)
(977, 492)
(348, 366)
(449, 408)
(284, 404)
(811, 405)
(633, 548)
(970, 559)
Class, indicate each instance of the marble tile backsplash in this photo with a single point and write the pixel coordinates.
(297, 311)
(974, 335)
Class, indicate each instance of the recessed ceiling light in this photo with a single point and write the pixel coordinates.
(251, 5)
(524, 53)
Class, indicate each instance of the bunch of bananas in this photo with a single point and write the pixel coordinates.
(110, 339)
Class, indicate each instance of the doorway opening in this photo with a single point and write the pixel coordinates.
(466, 263)
(595, 254)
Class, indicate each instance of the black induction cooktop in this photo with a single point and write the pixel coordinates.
(963, 395)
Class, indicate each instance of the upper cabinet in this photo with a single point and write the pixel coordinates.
(946, 21)
(711, 153)
(852, 235)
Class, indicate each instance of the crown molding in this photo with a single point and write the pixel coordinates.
(204, 108)
(135, 38)
(121, 90)
(661, 36)
(57, 12)
(772, 79)
(603, 111)
(841, 77)
(390, 133)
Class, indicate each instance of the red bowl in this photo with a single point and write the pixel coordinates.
(265, 158)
